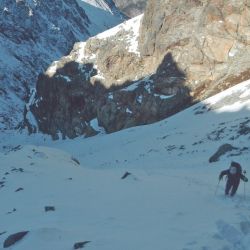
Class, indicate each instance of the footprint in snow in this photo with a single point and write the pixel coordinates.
(230, 233)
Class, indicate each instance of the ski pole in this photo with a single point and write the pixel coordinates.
(217, 188)
(244, 191)
(244, 172)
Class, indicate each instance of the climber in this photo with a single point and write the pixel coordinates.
(234, 174)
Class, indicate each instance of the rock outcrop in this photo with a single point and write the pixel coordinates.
(14, 238)
(148, 68)
(222, 150)
(68, 102)
(209, 40)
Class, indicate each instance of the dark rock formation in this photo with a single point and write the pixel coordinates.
(68, 101)
(75, 160)
(12, 239)
(80, 245)
(222, 150)
(244, 128)
(13, 211)
(19, 189)
(49, 208)
(69, 104)
(126, 174)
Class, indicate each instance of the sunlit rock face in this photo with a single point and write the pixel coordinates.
(209, 40)
(152, 66)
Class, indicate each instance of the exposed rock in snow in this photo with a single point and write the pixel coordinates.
(49, 208)
(80, 245)
(223, 149)
(12, 239)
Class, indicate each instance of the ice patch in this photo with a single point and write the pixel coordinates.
(230, 233)
(128, 111)
(164, 97)
(64, 77)
(94, 124)
(110, 96)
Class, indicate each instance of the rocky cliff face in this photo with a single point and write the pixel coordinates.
(131, 8)
(148, 68)
(33, 34)
(209, 40)
(105, 80)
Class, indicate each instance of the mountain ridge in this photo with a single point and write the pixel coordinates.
(34, 34)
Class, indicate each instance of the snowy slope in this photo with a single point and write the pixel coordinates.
(168, 201)
(102, 14)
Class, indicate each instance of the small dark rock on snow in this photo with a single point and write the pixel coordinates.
(75, 160)
(19, 189)
(49, 208)
(79, 245)
(125, 175)
(17, 170)
(13, 238)
(13, 210)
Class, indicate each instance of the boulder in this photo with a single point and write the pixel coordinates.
(14, 238)
(80, 245)
(222, 150)
(49, 208)
(126, 174)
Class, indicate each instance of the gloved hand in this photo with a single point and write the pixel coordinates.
(245, 179)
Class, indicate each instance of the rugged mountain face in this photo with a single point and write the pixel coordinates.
(33, 34)
(183, 53)
(90, 84)
(209, 40)
(131, 8)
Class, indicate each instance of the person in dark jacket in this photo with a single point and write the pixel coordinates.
(234, 175)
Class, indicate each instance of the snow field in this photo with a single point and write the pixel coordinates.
(167, 203)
